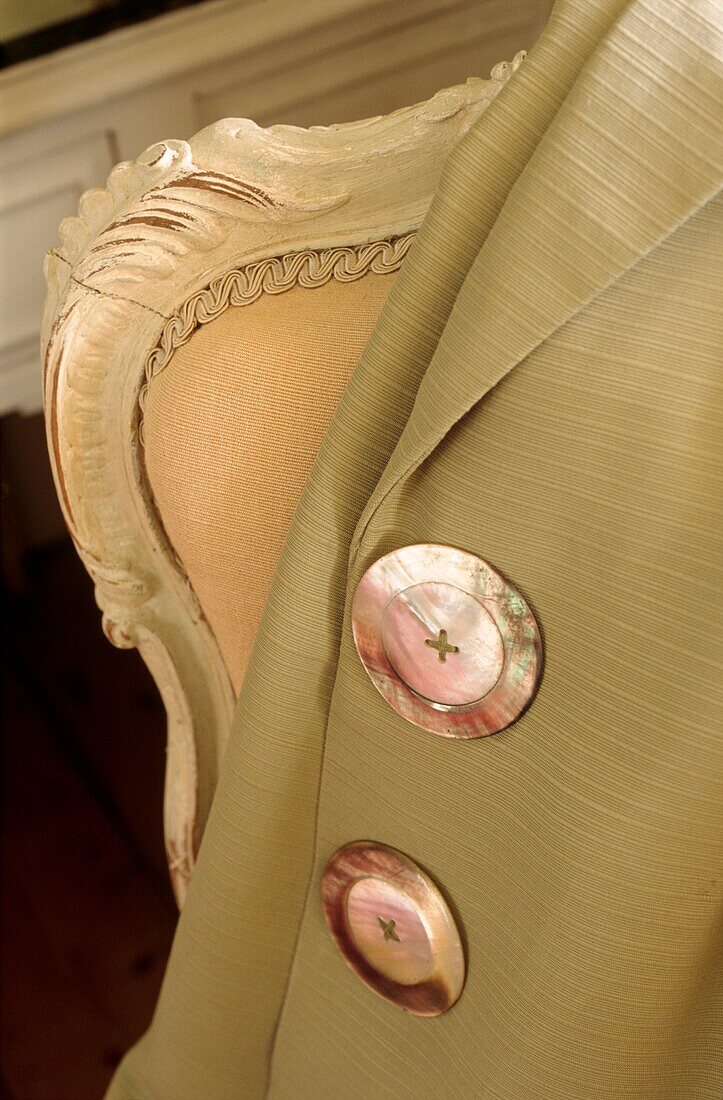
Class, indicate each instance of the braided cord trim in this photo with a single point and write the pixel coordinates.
(241, 287)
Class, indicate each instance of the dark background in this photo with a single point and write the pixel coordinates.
(87, 910)
(108, 15)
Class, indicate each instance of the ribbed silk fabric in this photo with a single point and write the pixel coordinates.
(543, 388)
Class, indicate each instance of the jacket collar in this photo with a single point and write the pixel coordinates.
(631, 153)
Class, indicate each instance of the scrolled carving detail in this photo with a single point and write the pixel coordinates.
(503, 70)
(118, 629)
(125, 587)
(98, 207)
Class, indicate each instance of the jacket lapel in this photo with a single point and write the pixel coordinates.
(632, 152)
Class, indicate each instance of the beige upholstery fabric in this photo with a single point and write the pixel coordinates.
(232, 426)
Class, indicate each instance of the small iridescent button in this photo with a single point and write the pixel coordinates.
(451, 645)
(393, 927)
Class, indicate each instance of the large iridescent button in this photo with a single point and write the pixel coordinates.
(393, 927)
(448, 642)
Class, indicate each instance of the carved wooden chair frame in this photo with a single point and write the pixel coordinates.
(174, 239)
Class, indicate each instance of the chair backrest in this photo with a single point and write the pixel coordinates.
(214, 291)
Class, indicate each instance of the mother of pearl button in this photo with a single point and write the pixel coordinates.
(448, 642)
(393, 927)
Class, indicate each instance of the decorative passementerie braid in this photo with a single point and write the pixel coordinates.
(274, 275)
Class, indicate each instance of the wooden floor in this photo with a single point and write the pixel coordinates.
(87, 912)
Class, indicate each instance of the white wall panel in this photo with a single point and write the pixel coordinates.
(393, 56)
(35, 194)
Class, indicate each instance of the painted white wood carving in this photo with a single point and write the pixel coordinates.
(177, 236)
